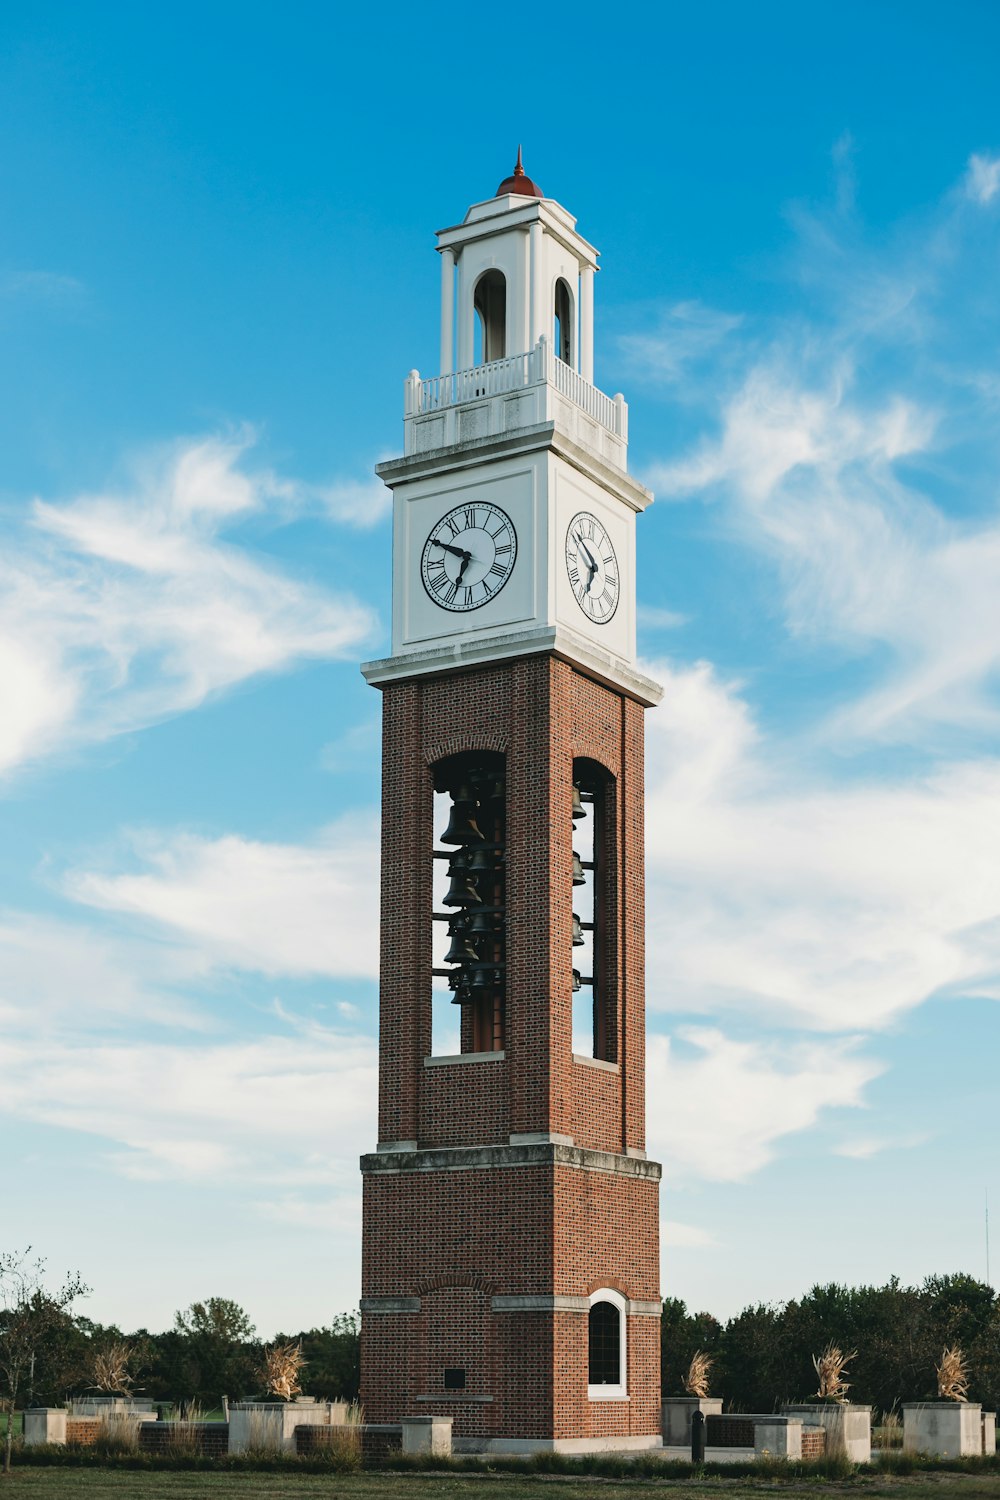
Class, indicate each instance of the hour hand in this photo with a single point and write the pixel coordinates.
(455, 551)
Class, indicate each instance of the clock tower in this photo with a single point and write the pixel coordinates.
(511, 1255)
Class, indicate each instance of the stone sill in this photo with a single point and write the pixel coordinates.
(463, 1057)
(454, 1396)
(596, 1062)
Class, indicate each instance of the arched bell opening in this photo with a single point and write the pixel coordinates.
(489, 301)
(562, 333)
(470, 938)
(595, 1032)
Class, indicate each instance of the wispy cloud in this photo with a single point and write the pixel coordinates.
(276, 909)
(853, 444)
(718, 1106)
(779, 891)
(982, 180)
(119, 609)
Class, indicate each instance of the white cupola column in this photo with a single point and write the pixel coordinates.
(537, 271)
(447, 312)
(587, 323)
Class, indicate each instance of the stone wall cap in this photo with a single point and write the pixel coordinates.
(491, 1158)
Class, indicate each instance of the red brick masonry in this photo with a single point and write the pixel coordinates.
(462, 1215)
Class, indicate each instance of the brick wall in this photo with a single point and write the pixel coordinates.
(455, 1236)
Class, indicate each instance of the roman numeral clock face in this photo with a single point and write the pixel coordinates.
(592, 567)
(469, 556)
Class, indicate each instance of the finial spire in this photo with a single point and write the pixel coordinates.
(519, 182)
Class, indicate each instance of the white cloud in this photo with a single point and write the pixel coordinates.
(117, 610)
(684, 335)
(295, 909)
(776, 893)
(982, 181)
(272, 1109)
(361, 503)
(55, 973)
(718, 1107)
(674, 1235)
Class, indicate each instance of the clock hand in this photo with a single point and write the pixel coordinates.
(465, 563)
(593, 574)
(455, 551)
(581, 543)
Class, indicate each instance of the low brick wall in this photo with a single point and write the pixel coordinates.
(813, 1442)
(211, 1439)
(82, 1431)
(729, 1432)
(378, 1439)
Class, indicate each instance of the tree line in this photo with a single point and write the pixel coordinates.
(760, 1357)
(764, 1354)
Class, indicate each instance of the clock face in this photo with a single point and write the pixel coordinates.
(469, 556)
(592, 567)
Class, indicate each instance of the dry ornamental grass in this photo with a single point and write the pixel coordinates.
(953, 1375)
(282, 1366)
(696, 1380)
(830, 1367)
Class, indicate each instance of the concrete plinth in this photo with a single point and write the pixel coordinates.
(989, 1432)
(427, 1435)
(272, 1424)
(676, 1413)
(779, 1436)
(952, 1429)
(848, 1426)
(44, 1424)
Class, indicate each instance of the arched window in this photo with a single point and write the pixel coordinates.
(562, 337)
(607, 1378)
(490, 303)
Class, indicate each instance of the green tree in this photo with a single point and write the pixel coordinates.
(210, 1352)
(681, 1334)
(332, 1358)
(31, 1318)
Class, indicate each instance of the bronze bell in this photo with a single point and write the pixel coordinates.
(579, 810)
(576, 980)
(462, 827)
(482, 861)
(482, 924)
(482, 979)
(461, 950)
(577, 931)
(462, 890)
(578, 875)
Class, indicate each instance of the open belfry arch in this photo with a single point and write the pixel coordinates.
(511, 1248)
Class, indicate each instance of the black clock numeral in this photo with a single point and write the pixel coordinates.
(574, 575)
(612, 579)
(470, 520)
(450, 593)
(452, 526)
(467, 596)
(503, 551)
(609, 559)
(498, 570)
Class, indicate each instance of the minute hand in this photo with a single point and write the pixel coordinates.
(593, 562)
(455, 551)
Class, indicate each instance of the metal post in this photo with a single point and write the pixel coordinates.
(697, 1437)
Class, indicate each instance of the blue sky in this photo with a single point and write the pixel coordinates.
(216, 268)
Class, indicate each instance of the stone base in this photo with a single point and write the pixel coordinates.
(677, 1412)
(652, 1443)
(272, 1424)
(848, 1426)
(44, 1424)
(951, 1429)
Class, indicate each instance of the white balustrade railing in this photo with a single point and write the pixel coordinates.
(503, 376)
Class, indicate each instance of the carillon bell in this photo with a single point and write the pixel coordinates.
(576, 980)
(482, 861)
(461, 950)
(578, 875)
(577, 931)
(462, 890)
(579, 811)
(462, 827)
(482, 924)
(482, 979)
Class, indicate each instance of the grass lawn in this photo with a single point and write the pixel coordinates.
(97, 1484)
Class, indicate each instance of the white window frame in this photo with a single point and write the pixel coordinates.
(609, 1392)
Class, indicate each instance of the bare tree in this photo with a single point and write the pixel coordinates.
(29, 1312)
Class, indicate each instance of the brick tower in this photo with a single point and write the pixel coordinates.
(511, 1254)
